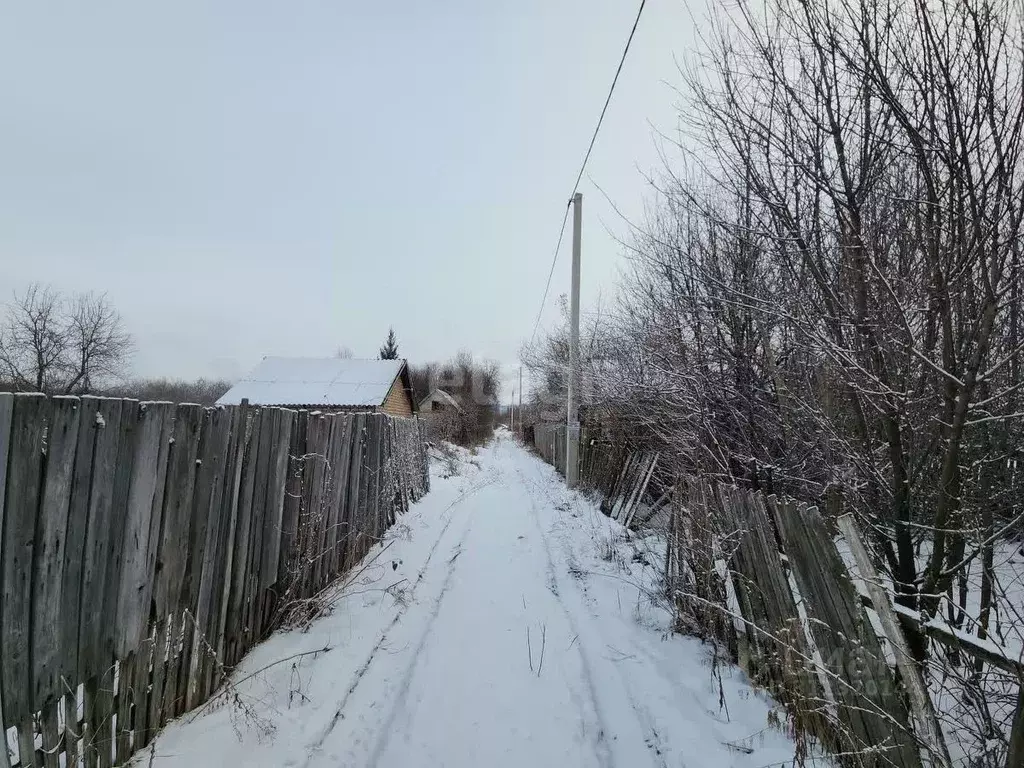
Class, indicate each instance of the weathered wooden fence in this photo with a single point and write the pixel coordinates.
(826, 663)
(621, 477)
(549, 440)
(764, 577)
(146, 547)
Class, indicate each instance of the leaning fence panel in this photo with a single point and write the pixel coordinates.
(766, 580)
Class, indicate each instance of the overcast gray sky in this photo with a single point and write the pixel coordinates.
(248, 178)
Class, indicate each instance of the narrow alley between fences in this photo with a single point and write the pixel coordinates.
(504, 621)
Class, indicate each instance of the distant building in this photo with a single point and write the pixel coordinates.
(444, 417)
(439, 400)
(327, 384)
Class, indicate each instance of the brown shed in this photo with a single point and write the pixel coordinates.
(327, 384)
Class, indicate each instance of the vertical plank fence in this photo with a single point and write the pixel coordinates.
(146, 547)
(620, 477)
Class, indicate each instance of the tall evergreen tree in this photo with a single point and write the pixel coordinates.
(390, 349)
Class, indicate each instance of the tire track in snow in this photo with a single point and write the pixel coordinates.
(644, 717)
(602, 750)
(314, 747)
(398, 701)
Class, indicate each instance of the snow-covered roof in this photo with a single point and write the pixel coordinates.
(316, 381)
(441, 396)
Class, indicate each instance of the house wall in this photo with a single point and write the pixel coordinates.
(432, 403)
(398, 402)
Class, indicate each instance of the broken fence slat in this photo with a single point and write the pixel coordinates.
(628, 522)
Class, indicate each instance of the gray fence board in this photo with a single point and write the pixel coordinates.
(49, 554)
(207, 552)
(145, 489)
(370, 472)
(268, 426)
(321, 504)
(226, 543)
(311, 524)
(333, 491)
(159, 417)
(91, 657)
(117, 672)
(76, 537)
(25, 468)
(288, 562)
(128, 447)
(272, 530)
(235, 624)
(350, 512)
(6, 412)
(340, 502)
(175, 531)
(363, 450)
(392, 488)
(329, 516)
(355, 466)
(169, 591)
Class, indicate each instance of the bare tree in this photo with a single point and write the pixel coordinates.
(98, 346)
(201, 391)
(49, 343)
(33, 340)
(881, 148)
(547, 360)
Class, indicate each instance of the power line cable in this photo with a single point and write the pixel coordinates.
(554, 260)
(583, 167)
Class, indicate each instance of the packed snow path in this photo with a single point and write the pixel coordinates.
(503, 622)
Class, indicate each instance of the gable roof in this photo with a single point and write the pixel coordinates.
(441, 396)
(318, 382)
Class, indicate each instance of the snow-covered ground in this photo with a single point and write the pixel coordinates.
(503, 622)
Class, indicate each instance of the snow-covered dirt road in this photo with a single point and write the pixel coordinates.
(503, 622)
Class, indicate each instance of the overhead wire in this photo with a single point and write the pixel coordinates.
(583, 167)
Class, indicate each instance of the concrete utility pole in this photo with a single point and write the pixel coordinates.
(572, 433)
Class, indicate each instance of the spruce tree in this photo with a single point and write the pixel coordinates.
(390, 349)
